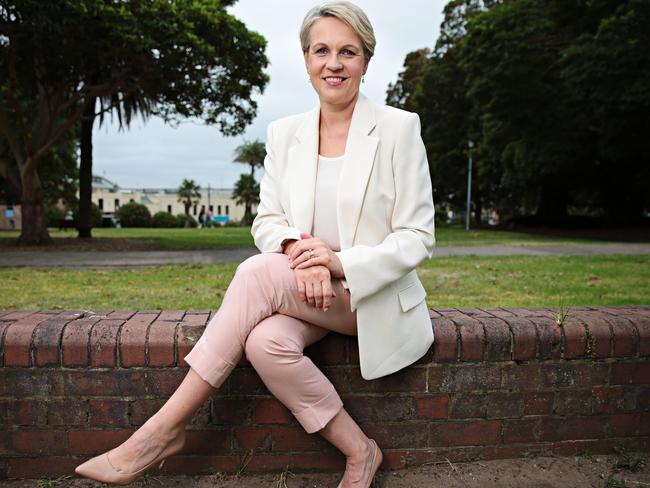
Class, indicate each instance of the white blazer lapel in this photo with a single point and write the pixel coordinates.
(360, 152)
(303, 160)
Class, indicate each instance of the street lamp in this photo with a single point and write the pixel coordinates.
(470, 145)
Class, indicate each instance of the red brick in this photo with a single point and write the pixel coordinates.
(75, 342)
(398, 435)
(550, 338)
(630, 373)
(558, 429)
(18, 315)
(121, 314)
(521, 376)
(575, 337)
(133, 340)
(464, 378)
(520, 430)
(46, 467)
(289, 439)
(47, 338)
(349, 380)
(431, 407)
(196, 318)
(524, 338)
(600, 331)
(258, 438)
(610, 399)
(106, 383)
(141, 409)
(631, 424)
(643, 329)
(375, 409)
(171, 315)
(213, 441)
(468, 405)
(108, 413)
(18, 340)
(246, 381)
(164, 382)
(186, 337)
(330, 351)
(498, 344)
(573, 374)
(624, 336)
(67, 412)
(20, 383)
(504, 404)
(538, 402)
(239, 411)
(25, 412)
(161, 343)
(573, 402)
(93, 442)
(37, 443)
(467, 433)
(472, 339)
(103, 342)
(445, 344)
(271, 411)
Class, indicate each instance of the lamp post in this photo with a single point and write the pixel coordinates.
(470, 145)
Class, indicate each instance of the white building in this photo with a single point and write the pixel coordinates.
(108, 196)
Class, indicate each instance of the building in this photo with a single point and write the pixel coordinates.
(108, 196)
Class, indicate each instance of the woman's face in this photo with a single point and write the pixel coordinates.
(335, 61)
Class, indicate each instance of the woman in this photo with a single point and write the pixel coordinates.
(355, 176)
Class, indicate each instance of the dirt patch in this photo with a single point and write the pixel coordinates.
(540, 472)
(73, 244)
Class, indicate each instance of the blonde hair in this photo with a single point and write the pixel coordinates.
(346, 12)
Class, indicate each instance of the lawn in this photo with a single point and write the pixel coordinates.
(468, 281)
(237, 237)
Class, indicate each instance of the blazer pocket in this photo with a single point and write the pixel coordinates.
(411, 296)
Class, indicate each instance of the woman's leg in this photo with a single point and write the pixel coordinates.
(275, 348)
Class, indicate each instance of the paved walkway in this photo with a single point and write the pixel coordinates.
(135, 259)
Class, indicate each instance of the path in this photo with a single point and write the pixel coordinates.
(134, 259)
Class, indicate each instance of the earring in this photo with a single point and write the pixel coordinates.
(363, 79)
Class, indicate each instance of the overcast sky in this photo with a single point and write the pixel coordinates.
(153, 155)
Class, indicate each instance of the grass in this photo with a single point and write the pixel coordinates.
(237, 237)
(463, 281)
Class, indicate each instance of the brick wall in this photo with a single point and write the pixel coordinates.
(498, 383)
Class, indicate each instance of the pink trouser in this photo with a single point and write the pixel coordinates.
(263, 316)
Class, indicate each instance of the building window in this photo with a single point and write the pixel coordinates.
(227, 210)
(169, 209)
(219, 209)
(212, 208)
(100, 204)
(130, 200)
(194, 210)
(117, 203)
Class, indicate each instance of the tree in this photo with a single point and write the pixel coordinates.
(192, 59)
(247, 193)
(252, 153)
(189, 194)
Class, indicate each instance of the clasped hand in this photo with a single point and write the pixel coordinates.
(314, 264)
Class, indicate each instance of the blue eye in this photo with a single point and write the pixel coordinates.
(321, 50)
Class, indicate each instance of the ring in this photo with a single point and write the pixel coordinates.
(311, 254)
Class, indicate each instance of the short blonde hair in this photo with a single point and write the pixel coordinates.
(346, 12)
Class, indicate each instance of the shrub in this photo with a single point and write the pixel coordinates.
(185, 220)
(95, 215)
(134, 214)
(53, 215)
(164, 219)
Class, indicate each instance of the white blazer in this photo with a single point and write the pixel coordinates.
(385, 217)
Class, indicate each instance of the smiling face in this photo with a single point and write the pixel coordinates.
(335, 61)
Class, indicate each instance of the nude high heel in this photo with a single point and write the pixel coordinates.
(372, 465)
(100, 468)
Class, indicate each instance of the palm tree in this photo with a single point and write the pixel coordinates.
(252, 153)
(247, 193)
(188, 193)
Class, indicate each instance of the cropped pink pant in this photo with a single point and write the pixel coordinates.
(263, 316)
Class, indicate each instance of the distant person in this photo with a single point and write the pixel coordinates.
(9, 215)
(201, 218)
(208, 220)
(353, 174)
(68, 220)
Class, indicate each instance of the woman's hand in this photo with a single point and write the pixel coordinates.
(300, 256)
(315, 286)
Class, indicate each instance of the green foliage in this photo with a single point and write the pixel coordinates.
(247, 193)
(164, 220)
(95, 215)
(252, 153)
(134, 214)
(189, 194)
(555, 96)
(186, 221)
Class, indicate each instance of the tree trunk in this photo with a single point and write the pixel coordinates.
(478, 206)
(248, 212)
(34, 226)
(84, 224)
(552, 208)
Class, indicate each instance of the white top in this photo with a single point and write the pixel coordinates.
(325, 224)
